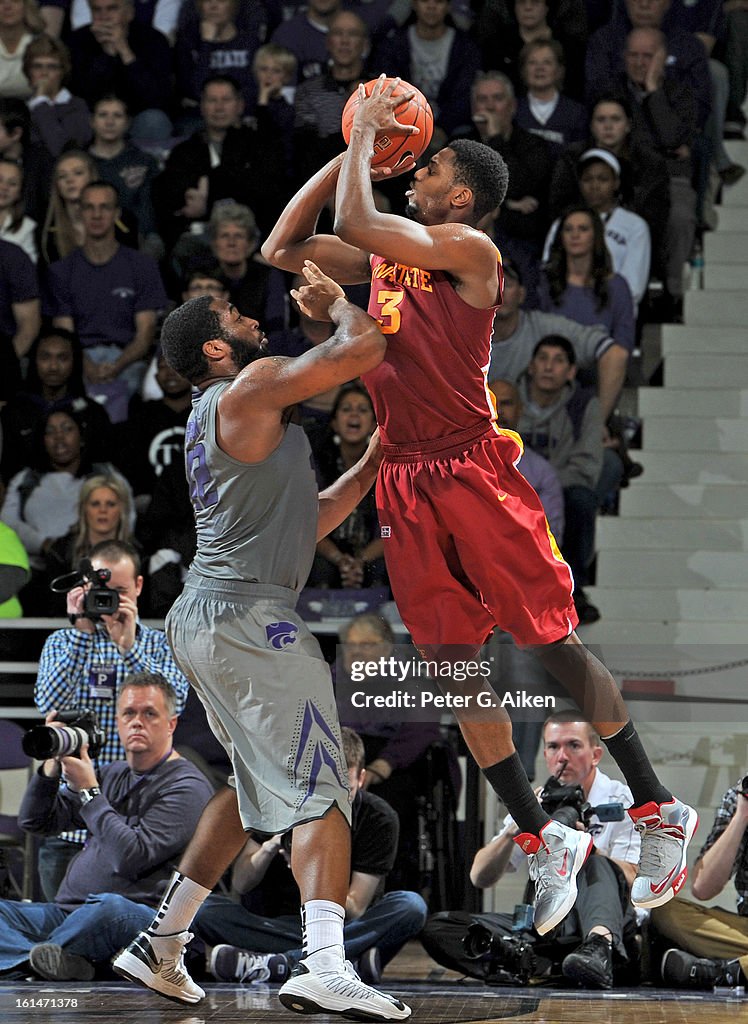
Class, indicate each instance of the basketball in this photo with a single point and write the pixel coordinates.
(391, 150)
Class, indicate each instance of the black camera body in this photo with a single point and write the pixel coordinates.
(99, 599)
(81, 725)
(509, 959)
(569, 805)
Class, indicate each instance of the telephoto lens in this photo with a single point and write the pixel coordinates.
(43, 741)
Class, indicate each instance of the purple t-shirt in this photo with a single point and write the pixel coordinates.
(103, 299)
(580, 304)
(307, 42)
(18, 283)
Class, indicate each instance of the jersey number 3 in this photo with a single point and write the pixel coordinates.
(390, 318)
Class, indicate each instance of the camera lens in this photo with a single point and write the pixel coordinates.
(477, 942)
(43, 742)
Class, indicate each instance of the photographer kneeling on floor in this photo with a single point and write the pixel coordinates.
(139, 816)
(500, 949)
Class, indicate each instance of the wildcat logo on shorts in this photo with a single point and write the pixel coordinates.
(281, 634)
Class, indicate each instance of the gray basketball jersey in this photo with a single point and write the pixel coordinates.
(255, 522)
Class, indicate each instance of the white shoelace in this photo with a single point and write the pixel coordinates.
(251, 968)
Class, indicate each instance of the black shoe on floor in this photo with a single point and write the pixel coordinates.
(369, 966)
(731, 174)
(591, 964)
(686, 971)
(52, 962)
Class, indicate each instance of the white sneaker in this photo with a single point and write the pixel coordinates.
(556, 857)
(157, 961)
(666, 830)
(326, 984)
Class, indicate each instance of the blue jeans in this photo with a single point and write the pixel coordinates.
(96, 930)
(388, 925)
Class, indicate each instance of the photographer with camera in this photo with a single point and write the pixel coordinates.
(83, 667)
(495, 948)
(712, 943)
(139, 814)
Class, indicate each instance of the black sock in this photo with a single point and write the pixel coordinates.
(510, 783)
(627, 750)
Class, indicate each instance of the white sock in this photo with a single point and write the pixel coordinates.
(182, 900)
(322, 926)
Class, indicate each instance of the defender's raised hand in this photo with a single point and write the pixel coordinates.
(316, 298)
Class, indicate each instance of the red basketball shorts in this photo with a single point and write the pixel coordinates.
(468, 547)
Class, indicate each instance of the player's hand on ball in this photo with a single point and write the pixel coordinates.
(316, 298)
(382, 172)
(378, 110)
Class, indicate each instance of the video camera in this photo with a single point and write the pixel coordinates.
(569, 805)
(510, 959)
(99, 599)
(81, 726)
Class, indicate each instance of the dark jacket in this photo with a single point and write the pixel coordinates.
(144, 84)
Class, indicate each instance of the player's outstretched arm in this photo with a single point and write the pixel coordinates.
(293, 239)
(338, 500)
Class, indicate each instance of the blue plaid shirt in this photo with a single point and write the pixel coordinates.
(722, 818)
(85, 670)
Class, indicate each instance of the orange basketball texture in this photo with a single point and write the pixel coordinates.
(390, 149)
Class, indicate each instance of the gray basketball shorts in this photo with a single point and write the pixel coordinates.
(268, 695)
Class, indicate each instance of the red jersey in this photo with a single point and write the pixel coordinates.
(433, 379)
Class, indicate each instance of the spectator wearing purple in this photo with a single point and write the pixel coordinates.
(217, 46)
(118, 54)
(439, 59)
(128, 168)
(19, 314)
(58, 119)
(545, 110)
(110, 295)
(305, 35)
(578, 281)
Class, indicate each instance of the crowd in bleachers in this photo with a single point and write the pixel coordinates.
(147, 148)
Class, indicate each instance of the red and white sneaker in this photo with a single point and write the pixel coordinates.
(666, 830)
(556, 857)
